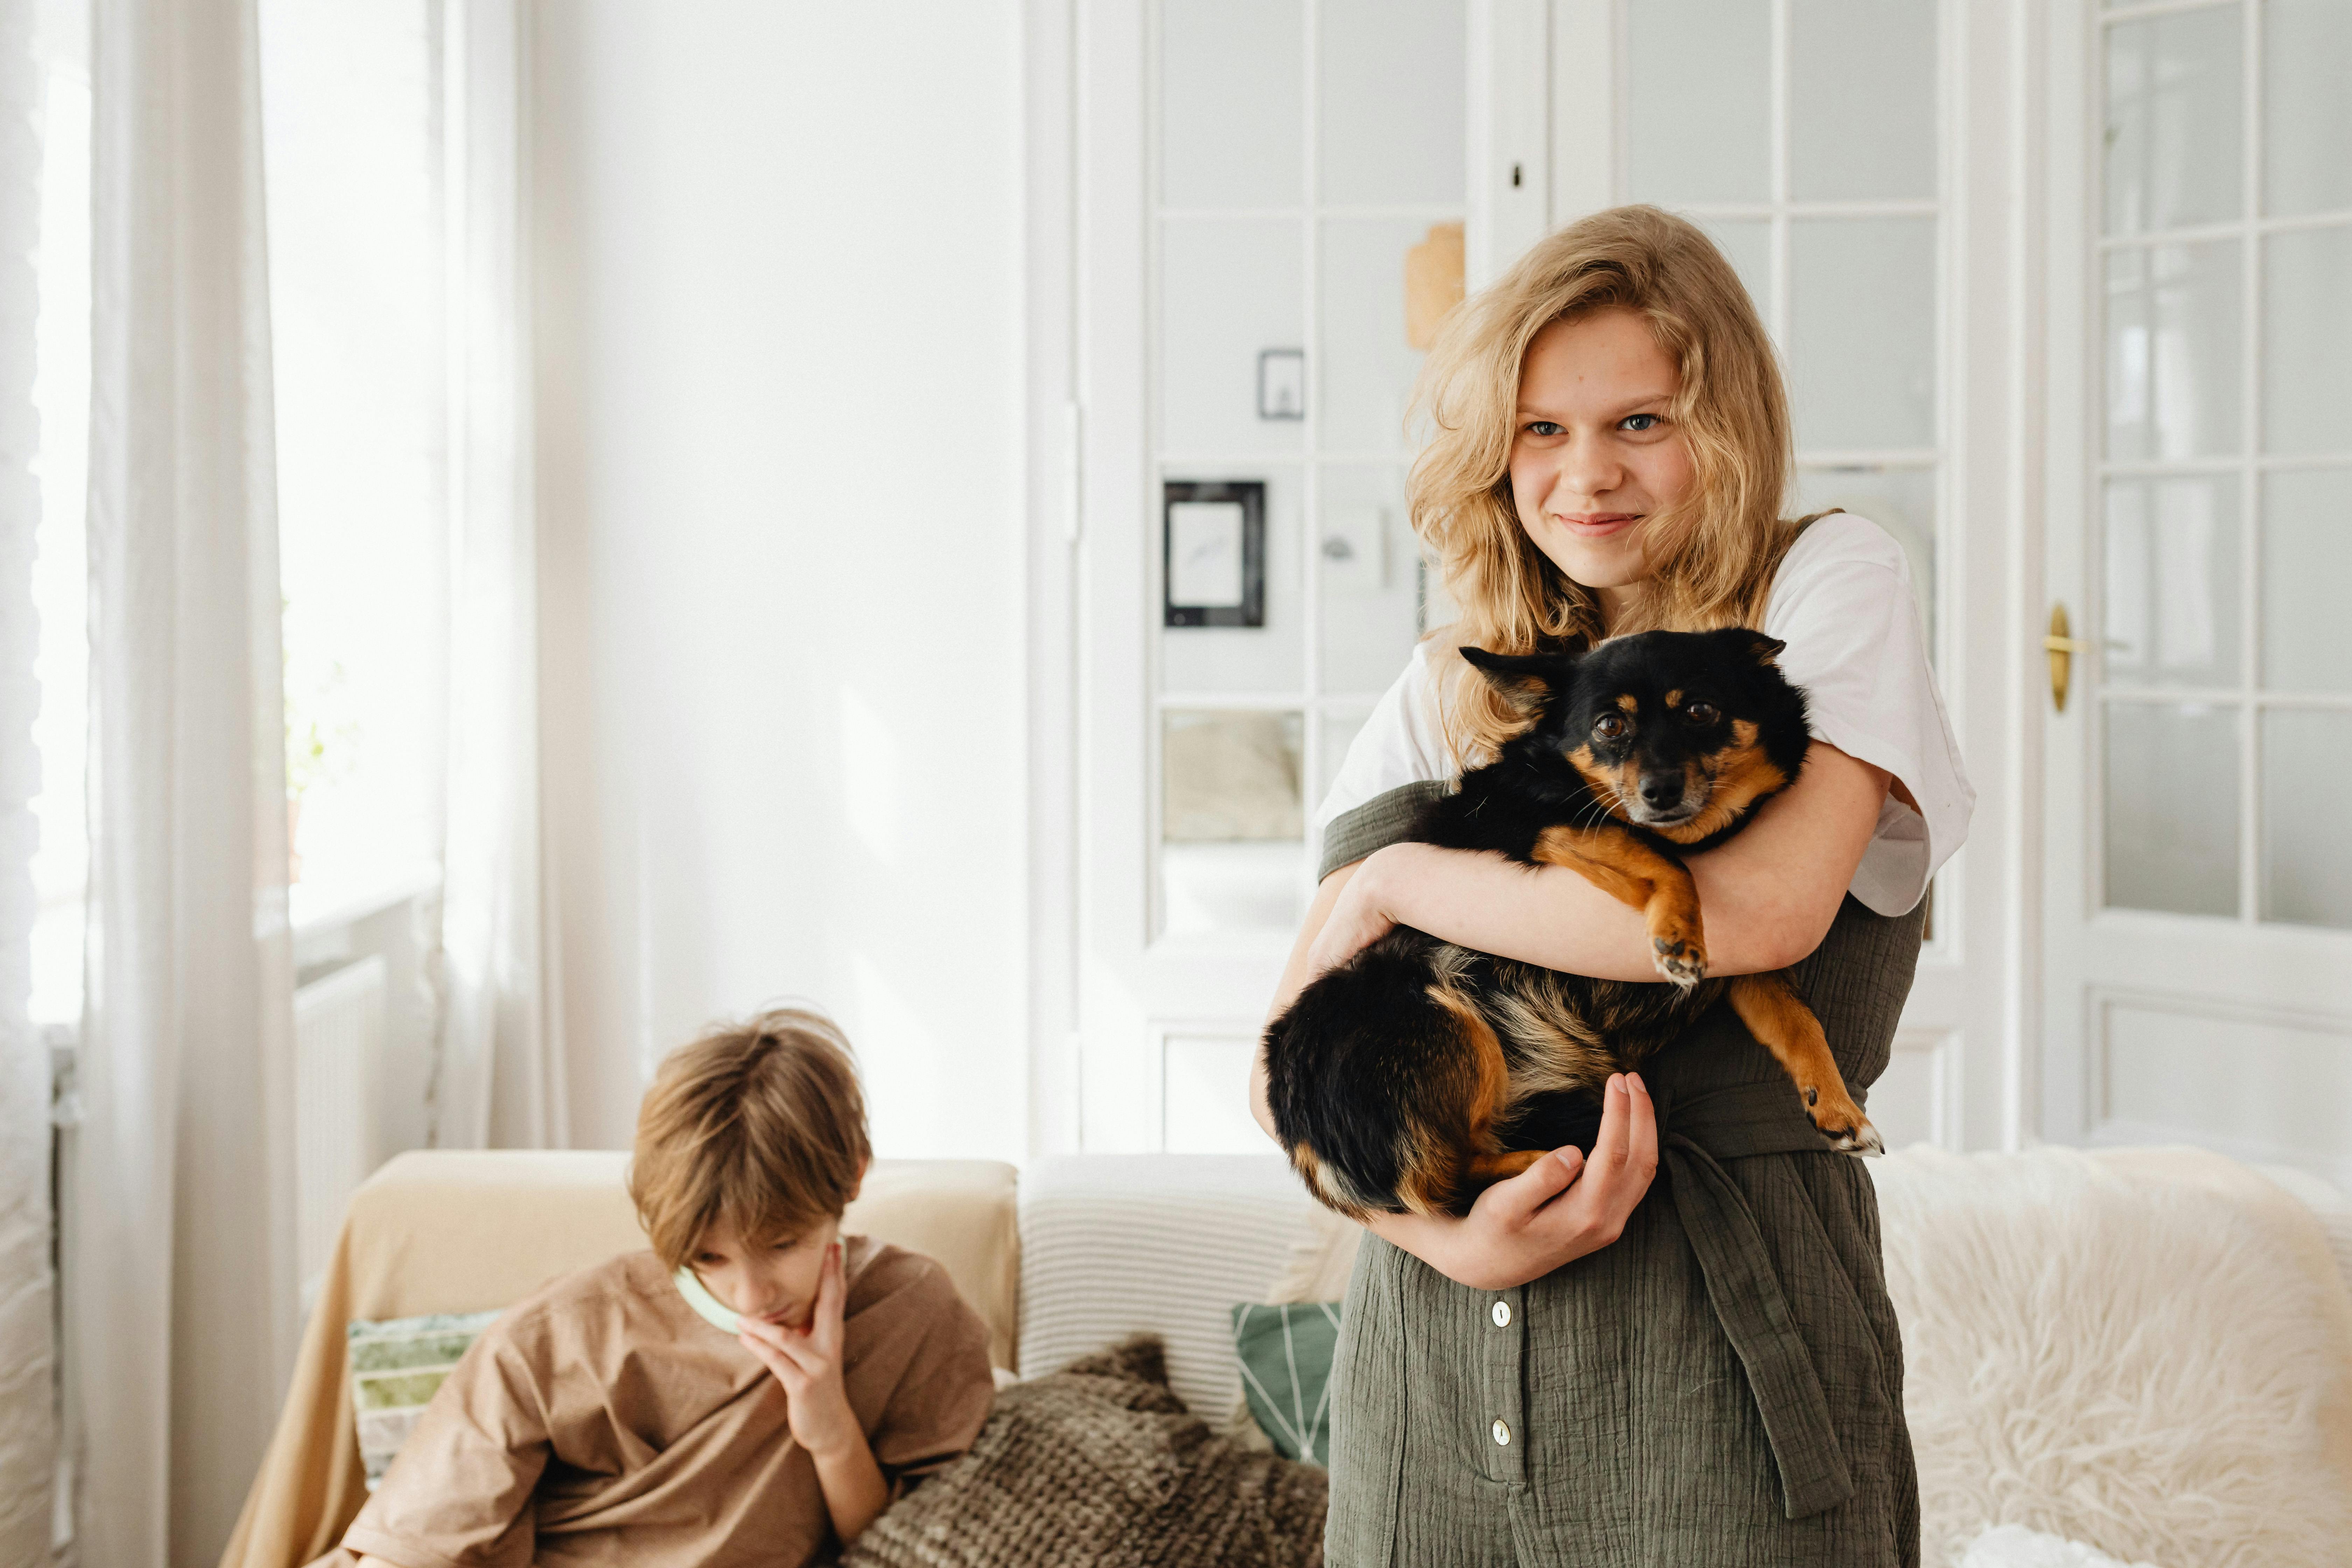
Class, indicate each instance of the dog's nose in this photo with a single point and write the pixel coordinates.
(1660, 791)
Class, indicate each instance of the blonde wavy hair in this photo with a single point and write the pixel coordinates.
(1711, 557)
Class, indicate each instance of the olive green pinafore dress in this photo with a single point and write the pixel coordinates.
(1722, 1387)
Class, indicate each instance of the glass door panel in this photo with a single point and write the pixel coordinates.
(2172, 589)
(2306, 836)
(2172, 807)
(2307, 339)
(1231, 290)
(2174, 335)
(1862, 332)
(1370, 578)
(1698, 101)
(2175, 123)
(1231, 87)
(1862, 100)
(2306, 569)
(2307, 106)
(1391, 103)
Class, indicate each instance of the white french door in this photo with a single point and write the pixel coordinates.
(1249, 177)
(2199, 898)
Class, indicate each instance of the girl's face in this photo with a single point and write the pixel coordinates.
(1596, 452)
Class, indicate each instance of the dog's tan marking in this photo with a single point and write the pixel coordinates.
(1633, 873)
(1673, 699)
(1769, 1004)
(1436, 1159)
(1602, 781)
(1630, 704)
(1502, 1167)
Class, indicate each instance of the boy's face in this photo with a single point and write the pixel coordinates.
(775, 1279)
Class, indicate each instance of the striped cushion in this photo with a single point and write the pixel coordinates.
(1116, 1244)
(1285, 1354)
(396, 1365)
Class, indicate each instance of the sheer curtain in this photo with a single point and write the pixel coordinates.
(27, 1394)
(182, 1295)
(502, 1081)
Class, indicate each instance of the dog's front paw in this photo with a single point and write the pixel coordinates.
(1680, 956)
(1841, 1121)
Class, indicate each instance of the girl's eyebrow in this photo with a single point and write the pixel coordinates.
(1624, 407)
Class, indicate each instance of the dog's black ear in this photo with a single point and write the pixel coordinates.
(1764, 649)
(1525, 681)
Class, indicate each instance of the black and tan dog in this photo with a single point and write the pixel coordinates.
(1406, 1078)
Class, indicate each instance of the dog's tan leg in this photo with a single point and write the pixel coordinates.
(1769, 1004)
(1633, 873)
(1500, 1167)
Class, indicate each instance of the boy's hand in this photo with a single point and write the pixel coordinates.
(807, 1362)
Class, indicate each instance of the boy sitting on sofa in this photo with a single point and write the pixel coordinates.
(625, 1413)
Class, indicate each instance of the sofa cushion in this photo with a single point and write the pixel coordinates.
(1116, 1244)
(1286, 1354)
(1100, 1466)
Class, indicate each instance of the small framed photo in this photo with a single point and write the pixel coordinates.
(1282, 383)
(1213, 553)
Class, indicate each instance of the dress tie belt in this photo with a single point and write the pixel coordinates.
(1697, 1130)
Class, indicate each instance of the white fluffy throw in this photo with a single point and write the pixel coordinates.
(2014, 1546)
(2150, 1354)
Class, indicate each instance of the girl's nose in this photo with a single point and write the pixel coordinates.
(1588, 470)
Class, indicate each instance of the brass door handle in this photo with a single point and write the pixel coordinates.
(2061, 649)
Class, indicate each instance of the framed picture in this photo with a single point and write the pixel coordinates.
(1282, 383)
(1213, 553)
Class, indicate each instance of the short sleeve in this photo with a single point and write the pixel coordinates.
(1396, 759)
(944, 1389)
(460, 1494)
(1844, 604)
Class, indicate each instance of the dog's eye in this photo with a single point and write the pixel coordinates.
(1612, 727)
(1701, 713)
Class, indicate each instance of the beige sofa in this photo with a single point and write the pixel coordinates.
(1078, 1251)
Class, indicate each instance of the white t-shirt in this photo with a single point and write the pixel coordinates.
(1843, 603)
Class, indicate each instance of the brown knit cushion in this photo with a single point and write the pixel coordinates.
(1100, 1466)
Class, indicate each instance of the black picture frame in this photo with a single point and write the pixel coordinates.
(1250, 495)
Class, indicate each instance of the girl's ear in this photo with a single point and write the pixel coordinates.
(1527, 680)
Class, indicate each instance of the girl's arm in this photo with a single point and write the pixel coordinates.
(1767, 896)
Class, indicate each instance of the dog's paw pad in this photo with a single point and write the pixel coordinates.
(1851, 1134)
(1684, 962)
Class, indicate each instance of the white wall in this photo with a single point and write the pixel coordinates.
(780, 376)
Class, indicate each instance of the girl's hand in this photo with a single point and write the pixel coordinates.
(1558, 1209)
(1358, 920)
(807, 1362)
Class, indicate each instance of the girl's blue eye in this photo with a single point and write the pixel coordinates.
(1637, 422)
(1542, 427)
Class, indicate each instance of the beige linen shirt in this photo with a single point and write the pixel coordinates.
(601, 1421)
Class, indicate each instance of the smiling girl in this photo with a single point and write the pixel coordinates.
(1570, 1375)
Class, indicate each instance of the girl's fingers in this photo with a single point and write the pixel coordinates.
(1520, 1196)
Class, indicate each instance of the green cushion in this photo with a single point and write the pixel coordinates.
(1285, 1354)
(396, 1367)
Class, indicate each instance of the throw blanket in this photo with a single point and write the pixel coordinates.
(1100, 1466)
(2148, 1351)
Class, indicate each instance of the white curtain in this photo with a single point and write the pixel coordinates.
(27, 1393)
(501, 1081)
(182, 1295)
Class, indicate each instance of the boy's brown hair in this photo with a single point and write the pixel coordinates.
(759, 1127)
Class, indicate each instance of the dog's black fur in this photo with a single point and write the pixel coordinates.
(1406, 1078)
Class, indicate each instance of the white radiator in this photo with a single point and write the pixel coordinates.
(339, 1022)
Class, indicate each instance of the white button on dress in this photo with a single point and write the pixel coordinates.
(1502, 1314)
(1502, 1433)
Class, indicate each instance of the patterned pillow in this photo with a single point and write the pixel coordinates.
(396, 1365)
(1285, 1353)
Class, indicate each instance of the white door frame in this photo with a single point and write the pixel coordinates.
(1976, 1012)
(2221, 974)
